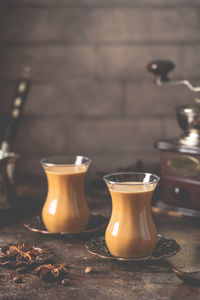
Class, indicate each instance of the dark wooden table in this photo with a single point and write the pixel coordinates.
(111, 279)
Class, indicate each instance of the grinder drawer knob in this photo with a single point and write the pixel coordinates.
(181, 194)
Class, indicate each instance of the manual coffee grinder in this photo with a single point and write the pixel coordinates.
(180, 156)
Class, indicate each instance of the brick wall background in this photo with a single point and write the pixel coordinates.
(90, 91)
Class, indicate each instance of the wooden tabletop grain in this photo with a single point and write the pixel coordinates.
(110, 279)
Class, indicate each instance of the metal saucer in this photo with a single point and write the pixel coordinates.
(188, 277)
(96, 223)
(164, 248)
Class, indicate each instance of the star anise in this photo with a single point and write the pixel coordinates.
(52, 271)
(22, 252)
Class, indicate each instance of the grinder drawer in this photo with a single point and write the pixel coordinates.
(179, 192)
(180, 165)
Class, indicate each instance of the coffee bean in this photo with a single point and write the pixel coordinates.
(89, 270)
(65, 281)
(17, 279)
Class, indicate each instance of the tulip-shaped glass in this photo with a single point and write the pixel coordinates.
(65, 209)
(131, 232)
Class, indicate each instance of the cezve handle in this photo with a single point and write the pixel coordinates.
(20, 96)
(161, 68)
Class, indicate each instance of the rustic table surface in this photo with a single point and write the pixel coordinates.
(111, 279)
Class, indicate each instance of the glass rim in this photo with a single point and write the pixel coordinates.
(155, 180)
(48, 161)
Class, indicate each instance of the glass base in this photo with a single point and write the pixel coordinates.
(164, 248)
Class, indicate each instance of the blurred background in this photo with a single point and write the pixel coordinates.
(91, 93)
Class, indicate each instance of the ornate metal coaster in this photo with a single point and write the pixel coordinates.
(188, 277)
(164, 248)
(24, 255)
(96, 223)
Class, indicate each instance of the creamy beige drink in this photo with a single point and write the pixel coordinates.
(65, 209)
(131, 232)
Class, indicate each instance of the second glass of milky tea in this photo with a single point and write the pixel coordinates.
(65, 208)
(131, 232)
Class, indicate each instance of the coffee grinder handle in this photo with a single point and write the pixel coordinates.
(20, 96)
(160, 68)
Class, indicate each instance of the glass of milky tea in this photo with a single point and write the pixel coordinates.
(65, 209)
(131, 232)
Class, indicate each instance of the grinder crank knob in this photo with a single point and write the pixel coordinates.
(161, 68)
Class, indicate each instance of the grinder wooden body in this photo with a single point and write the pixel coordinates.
(180, 175)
